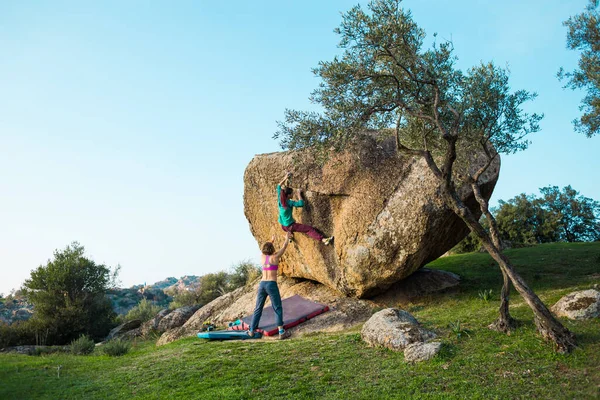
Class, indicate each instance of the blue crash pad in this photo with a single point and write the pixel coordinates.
(228, 335)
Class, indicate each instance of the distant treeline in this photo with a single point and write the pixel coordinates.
(555, 216)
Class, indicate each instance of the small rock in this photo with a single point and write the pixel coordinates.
(584, 304)
(421, 351)
(395, 329)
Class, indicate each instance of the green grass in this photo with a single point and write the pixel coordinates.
(474, 363)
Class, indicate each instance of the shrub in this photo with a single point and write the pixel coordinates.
(469, 244)
(82, 346)
(185, 298)
(23, 333)
(116, 348)
(144, 311)
(243, 273)
(45, 350)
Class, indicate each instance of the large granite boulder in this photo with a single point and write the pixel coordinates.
(385, 211)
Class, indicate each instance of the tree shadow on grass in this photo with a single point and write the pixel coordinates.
(447, 352)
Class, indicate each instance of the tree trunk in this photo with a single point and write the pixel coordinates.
(505, 322)
(548, 326)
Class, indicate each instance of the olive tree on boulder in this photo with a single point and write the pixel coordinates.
(386, 81)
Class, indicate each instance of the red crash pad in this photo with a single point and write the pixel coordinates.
(296, 310)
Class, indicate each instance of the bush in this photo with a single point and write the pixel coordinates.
(216, 284)
(144, 311)
(46, 350)
(82, 346)
(23, 333)
(116, 348)
(185, 298)
(243, 273)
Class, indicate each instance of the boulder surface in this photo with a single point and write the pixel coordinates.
(584, 304)
(385, 211)
(395, 329)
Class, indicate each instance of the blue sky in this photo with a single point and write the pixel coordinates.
(127, 126)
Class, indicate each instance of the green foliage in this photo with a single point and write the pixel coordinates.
(523, 219)
(46, 350)
(116, 347)
(217, 284)
(485, 295)
(555, 217)
(185, 298)
(243, 273)
(469, 244)
(69, 296)
(578, 216)
(458, 329)
(144, 311)
(82, 346)
(385, 79)
(584, 36)
(17, 333)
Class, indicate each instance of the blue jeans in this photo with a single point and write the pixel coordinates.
(267, 288)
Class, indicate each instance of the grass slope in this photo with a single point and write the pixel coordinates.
(474, 363)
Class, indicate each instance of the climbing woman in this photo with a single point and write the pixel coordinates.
(286, 206)
(268, 286)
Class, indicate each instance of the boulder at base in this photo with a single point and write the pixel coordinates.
(385, 211)
(395, 329)
(343, 312)
(421, 351)
(584, 304)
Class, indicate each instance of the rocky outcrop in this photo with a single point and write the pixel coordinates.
(187, 282)
(584, 304)
(394, 329)
(123, 328)
(210, 311)
(15, 309)
(344, 312)
(176, 318)
(385, 211)
(152, 325)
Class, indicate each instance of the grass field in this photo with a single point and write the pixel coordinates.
(474, 363)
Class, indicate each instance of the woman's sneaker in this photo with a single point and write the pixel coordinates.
(327, 241)
(284, 335)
